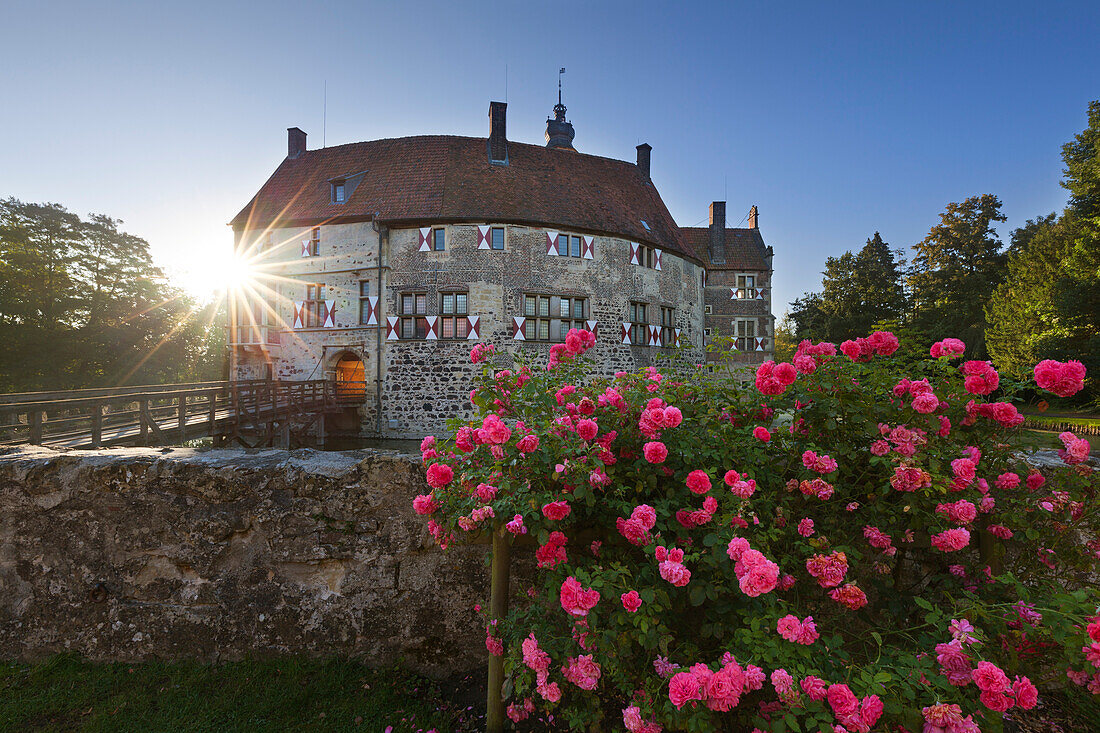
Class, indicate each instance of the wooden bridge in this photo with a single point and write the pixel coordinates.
(252, 413)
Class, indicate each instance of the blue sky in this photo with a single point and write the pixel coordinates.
(837, 120)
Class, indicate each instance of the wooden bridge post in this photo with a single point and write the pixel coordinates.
(97, 424)
(34, 417)
(143, 411)
(213, 407)
(182, 414)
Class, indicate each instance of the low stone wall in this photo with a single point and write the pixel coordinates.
(132, 554)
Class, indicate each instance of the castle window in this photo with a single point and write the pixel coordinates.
(708, 310)
(639, 323)
(745, 334)
(645, 224)
(453, 308)
(647, 257)
(313, 315)
(549, 317)
(496, 238)
(315, 242)
(572, 312)
(569, 246)
(668, 326)
(746, 287)
(338, 189)
(439, 239)
(414, 306)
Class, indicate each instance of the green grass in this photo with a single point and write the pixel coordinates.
(67, 693)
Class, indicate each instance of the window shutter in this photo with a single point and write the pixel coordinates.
(760, 343)
(372, 314)
(330, 313)
(483, 236)
(551, 244)
(657, 258)
(425, 239)
(634, 259)
(299, 310)
(307, 248)
(588, 247)
(626, 332)
(391, 328)
(654, 335)
(433, 328)
(517, 328)
(760, 293)
(592, 326)
(473, 328)
(734, 293)
(677, 341)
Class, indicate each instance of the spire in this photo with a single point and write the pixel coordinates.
(559, 132)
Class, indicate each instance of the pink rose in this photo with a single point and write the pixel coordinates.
(761, 434)
(577, 601)
(587, 429)
(631, 601)
(699, 482)
(556, 511)
(655, 452)
(439, 475)
(683, 688)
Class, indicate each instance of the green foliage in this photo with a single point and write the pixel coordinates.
(956, 268)
(1048, 305)
(892, 479)
(83, 305)
(860, 290)
(68, 693)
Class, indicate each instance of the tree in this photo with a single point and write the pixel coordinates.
(1082, 172)
(861, 290)
(806, 318)
(956, 268)
(82, 304)
(1048, 307)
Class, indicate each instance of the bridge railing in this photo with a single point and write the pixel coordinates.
(151, 414)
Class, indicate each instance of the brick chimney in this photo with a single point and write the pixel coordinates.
(643, 159)
(753, 221)
(498, 133)
(716, 245)
(295, 142)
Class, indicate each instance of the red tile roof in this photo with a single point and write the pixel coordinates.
(443, 178)
(745, 248)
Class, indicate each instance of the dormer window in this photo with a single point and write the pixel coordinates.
(339, 189)
(645, 224)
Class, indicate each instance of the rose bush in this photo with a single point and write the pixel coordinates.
(837, 547)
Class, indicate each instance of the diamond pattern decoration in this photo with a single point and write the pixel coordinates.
(473, 328)
(329, 307)
(588, 250)
(483, 236)
(372, 313)
(299, 314)
(517, 328)
(657, 259)
(391, 328)
(433, 328)
(626, 332)
(634, 259)
(425, 239)
(552, 244)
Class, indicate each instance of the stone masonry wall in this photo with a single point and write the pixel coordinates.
(424, 382)
(132, 554)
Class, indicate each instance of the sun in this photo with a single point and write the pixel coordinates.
(220, 273)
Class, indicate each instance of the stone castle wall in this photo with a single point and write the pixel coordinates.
(134, 554)
(426, 381)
